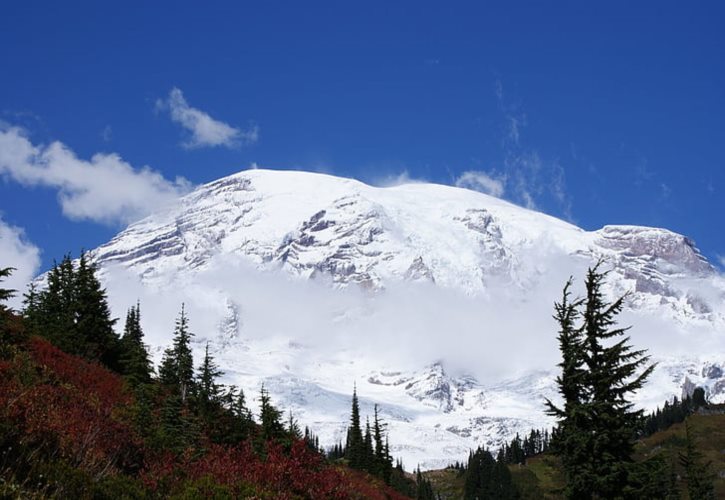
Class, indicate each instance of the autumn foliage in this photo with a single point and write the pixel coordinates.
(62, 411)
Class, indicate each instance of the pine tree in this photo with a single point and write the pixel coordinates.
(135, 361)
(293, 429)
(207, 388)
(597, 423)
(382, 464)
(177, 366)
(5, 293)
(355, 447)
(269, 417)
(698, 474)
(93, 322)
(369, 452)
(53, 317)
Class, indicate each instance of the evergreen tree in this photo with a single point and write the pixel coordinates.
(93, 322)
(423, 487)
(597, 424)
(207, 388)
(355, 447)
(293, 429)
(135, 361)
(53, 316)
(177, 366)
(5, 293)
(269, 417)
(369, 452)
(73, 312)
(383, 465)
(698, 474)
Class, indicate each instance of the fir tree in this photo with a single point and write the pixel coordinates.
(93, 322)
(5, 293)
(369, 452)
(269, 417)
(382, 464)
(597, 424)
(293, 429)
(177, 366)
(207, 388)
(698, 474)
(355, 447)
(423, 487)
(135, 362)
(53, 316)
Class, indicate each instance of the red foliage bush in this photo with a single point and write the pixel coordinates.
(68, 408)
(63, 406)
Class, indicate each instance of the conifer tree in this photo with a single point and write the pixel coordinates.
(355, 447)
(209, 372)
(369, 452)
(698, 474)
(177, 366)
(135, 361)
(93, 322)
(269, 417)
(53, 314)
(597, 423)
(293, 429)
(5, 293)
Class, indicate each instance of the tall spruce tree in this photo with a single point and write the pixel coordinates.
(135, 361)
(381, 464)
(52, 313)
(369, 451)
(73, 313)
(177, 366)
(207, 388)
(598, 423)
(269, 417)
(5, 293)
(698, 473)
(355, 446)
(93, 322)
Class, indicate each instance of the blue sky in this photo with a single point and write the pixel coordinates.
(606, 114)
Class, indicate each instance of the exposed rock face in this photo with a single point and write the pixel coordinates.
(342, 230)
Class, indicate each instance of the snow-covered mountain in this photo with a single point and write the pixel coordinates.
(434, 300)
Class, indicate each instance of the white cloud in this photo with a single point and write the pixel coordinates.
(16, 251)
(390, 180)
(721, 260)
(205, 131)
(107, 133)
(103, 189)
(530, 178)
(483, 182)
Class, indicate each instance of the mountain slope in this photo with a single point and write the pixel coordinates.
(435, 300)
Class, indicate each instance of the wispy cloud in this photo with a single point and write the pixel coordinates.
(16, 251)
(529, 177)
(103, 189)
(107, 133)
(482, 181)
(204, 130)
(721, 260)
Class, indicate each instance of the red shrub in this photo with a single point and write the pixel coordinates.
(69, 409)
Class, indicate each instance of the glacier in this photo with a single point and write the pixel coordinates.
(435, 301)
